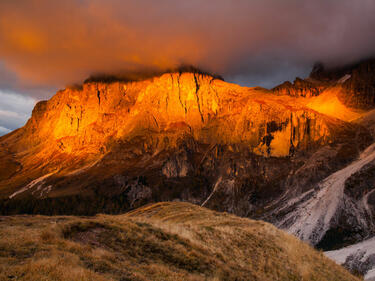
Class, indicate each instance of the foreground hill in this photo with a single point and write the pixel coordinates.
(164, 241)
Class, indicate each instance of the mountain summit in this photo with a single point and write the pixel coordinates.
(168, 107)
(173, 124)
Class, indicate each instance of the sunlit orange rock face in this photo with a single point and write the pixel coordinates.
(176, 136)
(169, 107)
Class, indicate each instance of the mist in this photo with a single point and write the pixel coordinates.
(58, 42)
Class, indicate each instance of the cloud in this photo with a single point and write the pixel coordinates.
(51, 43)
(12, 84)
(4, 131)
(15, 109)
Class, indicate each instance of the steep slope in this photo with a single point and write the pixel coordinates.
(330, 204)
(165, 241)
(328, 103)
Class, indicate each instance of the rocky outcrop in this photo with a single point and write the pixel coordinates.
(177, 166)
(299, 88)
(357, 79)
(361, 86)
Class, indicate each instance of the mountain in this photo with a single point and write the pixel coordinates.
(176, 136)
(164, 241)
(300, 156)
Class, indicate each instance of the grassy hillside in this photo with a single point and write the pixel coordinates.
(164, 241)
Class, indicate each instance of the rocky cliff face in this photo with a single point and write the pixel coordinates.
(361, 86)
(113, 146)
(300, 88)
(209, 110)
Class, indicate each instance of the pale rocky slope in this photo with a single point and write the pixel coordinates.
(358, 258)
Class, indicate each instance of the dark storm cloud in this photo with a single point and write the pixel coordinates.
(47, 44)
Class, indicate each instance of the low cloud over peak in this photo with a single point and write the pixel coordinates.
(53, 43)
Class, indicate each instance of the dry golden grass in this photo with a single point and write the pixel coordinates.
(164, 241)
